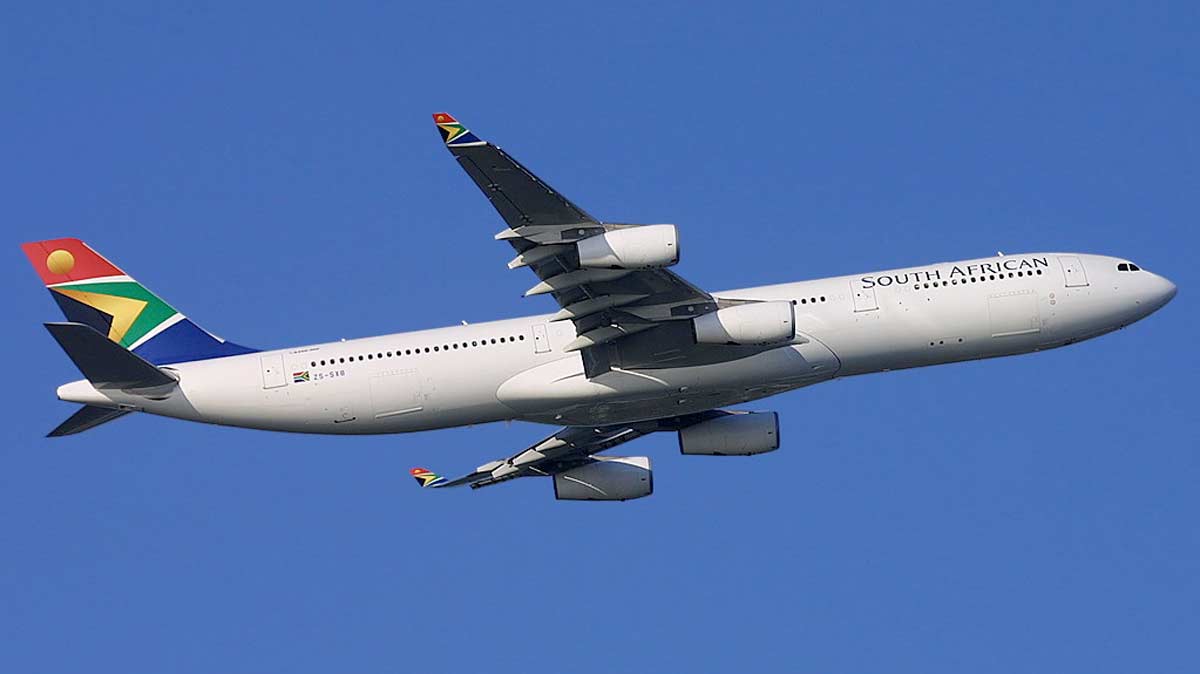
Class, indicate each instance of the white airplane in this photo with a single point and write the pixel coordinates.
(633, 348)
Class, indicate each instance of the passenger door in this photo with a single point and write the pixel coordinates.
(273, 375)
(541, 341)
(1073, 271)
(864, 297)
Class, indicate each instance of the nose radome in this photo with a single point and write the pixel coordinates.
(1164, 290)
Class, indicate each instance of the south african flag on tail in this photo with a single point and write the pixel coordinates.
(93, 291)
(427, 478)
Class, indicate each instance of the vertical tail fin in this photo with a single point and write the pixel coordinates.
(91, 290)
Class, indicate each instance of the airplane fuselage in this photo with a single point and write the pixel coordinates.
(516, 369)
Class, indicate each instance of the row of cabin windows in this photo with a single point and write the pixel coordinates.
(979, 279)
(809, 300)
(427, 349)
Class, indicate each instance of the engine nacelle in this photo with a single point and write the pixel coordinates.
(756, 324)
(733, 434)
(644, 247)
(609, 478)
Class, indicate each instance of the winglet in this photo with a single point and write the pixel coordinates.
(427, 478)
(453, 133)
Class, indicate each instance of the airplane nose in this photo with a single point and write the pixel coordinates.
(1162, 291)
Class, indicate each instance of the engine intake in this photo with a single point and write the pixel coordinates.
(738, 434)
(642, 247)
(756, 324)
(609, 478)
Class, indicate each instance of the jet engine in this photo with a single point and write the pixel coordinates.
(607, 478)
(642, 247)
(740, 433)
(755, 324)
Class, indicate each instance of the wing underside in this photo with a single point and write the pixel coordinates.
(567, 449)
(543, 227)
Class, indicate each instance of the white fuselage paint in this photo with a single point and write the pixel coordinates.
(865, 323)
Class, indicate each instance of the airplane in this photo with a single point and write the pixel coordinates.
(633, 348)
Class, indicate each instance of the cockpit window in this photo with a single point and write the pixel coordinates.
(1133, 267)
(1128, 266)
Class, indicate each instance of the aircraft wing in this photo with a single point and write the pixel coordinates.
(543, 227)
(566, 450)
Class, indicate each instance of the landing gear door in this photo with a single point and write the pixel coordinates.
(272, 371)
(864, 297)
(1073, 271)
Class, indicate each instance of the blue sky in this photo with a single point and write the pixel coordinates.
(272, 171)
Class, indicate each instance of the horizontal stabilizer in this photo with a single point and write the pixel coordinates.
(106, 364)
(87, 418)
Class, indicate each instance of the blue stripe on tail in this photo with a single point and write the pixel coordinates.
(186, 341)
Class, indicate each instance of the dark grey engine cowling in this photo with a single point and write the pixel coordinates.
(738, 434)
